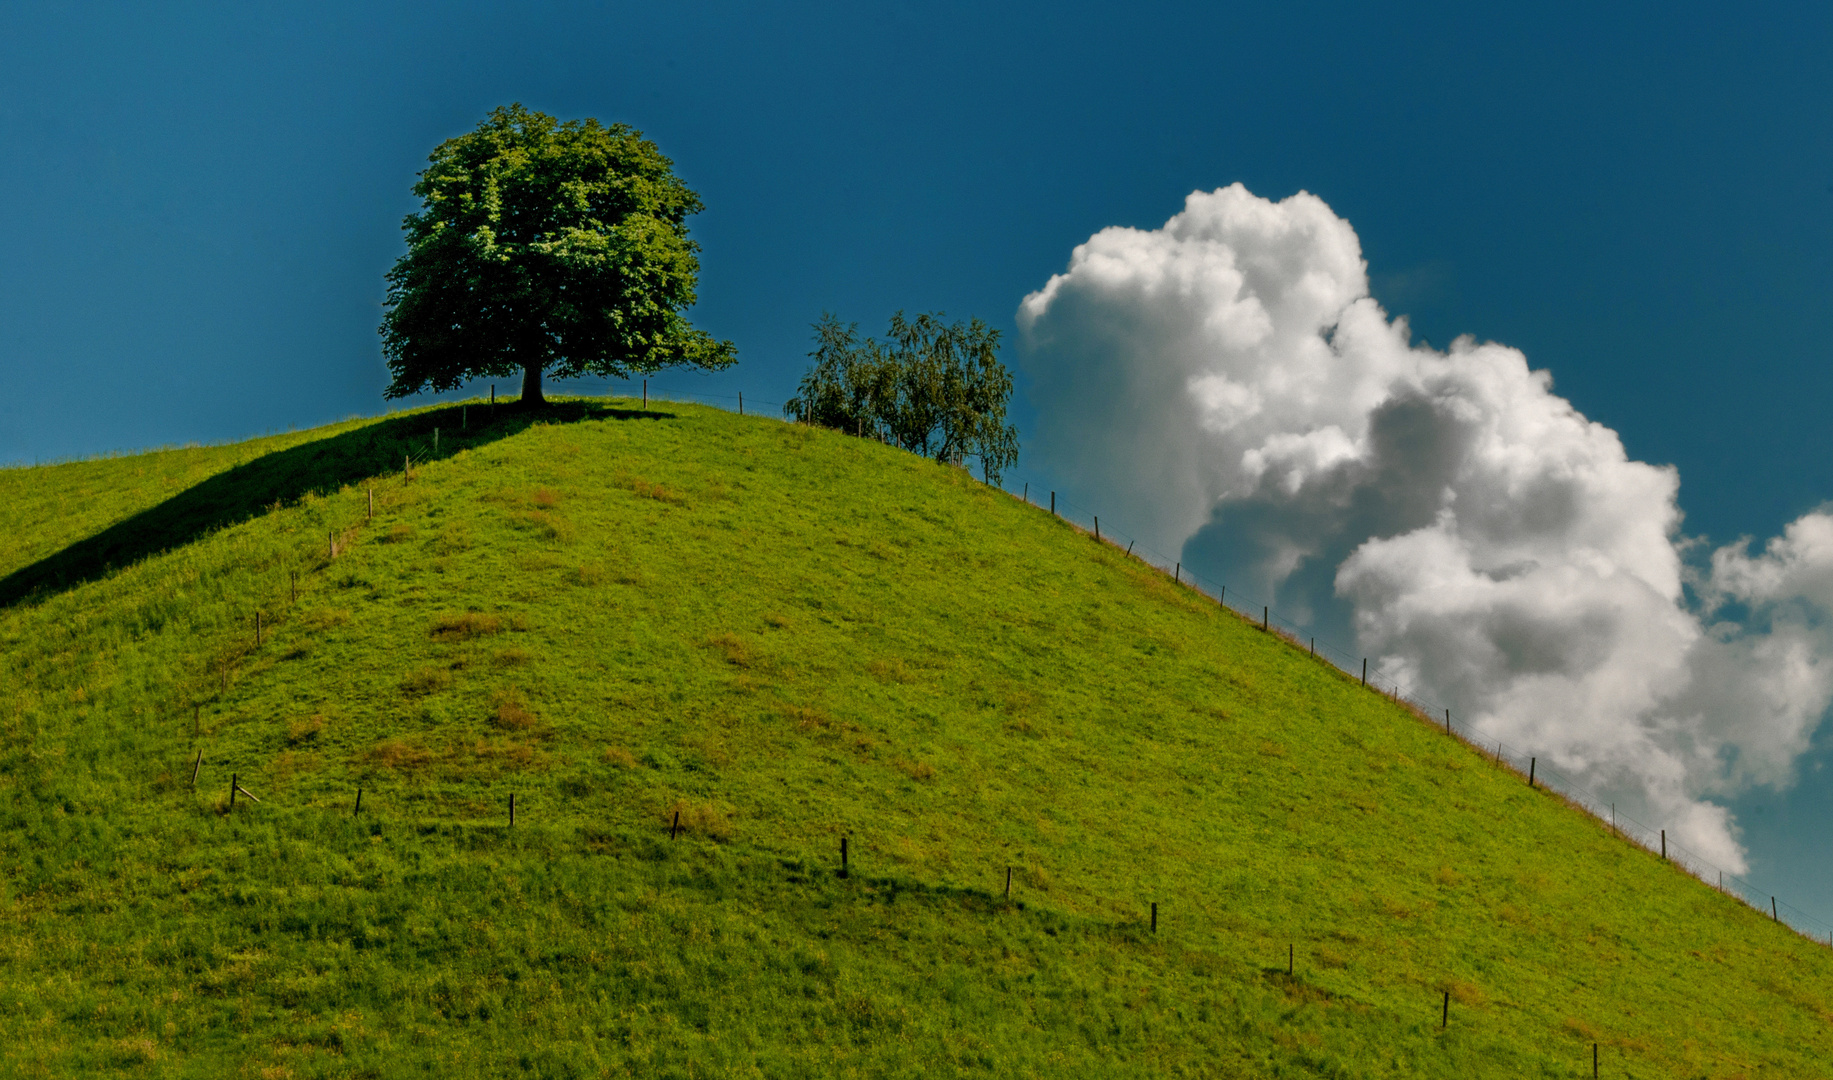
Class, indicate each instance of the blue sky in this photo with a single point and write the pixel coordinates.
(200, 201)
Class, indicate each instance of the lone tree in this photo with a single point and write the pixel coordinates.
(545, 247)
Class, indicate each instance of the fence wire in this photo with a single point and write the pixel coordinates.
(1650, 838)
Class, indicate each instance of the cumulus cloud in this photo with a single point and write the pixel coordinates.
(1227, 386)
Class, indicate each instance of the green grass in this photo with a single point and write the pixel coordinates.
(788, 636)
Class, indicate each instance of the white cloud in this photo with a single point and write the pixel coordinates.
(1225, 384)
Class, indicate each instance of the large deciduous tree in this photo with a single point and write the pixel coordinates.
(545, 247)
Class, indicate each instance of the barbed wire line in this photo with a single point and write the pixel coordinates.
(1387, 683)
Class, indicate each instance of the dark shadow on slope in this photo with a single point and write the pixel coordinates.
(280, 479)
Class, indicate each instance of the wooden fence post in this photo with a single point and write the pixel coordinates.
(359, 803)
(1265, 616)
(1155, 916)
(1444, 1020)
(1447, 721)
(843, 868)
(741, 403)
(512, 809)
(1008, 883)
(196, 765)
(232, 787)
(1530, 771)
(1365, 671)
(1664, 845)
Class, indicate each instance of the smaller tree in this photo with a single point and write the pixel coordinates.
(934, 388)
(851, 383)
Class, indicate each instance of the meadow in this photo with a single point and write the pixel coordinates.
(1094, 823)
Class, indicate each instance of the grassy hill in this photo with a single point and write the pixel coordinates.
(778, 638)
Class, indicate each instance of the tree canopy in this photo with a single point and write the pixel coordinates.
(931, 387)
(545, 247)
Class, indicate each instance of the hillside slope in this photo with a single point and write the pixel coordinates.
(699, 650)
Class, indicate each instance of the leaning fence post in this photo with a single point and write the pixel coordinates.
(196, 765)
(1008, 883)
(359, 803)
(1177, 573)
(1444, 1020)
(1773, 913)
(1365, 671)
(1530, 771)
(1447, 721)
(1097, 528)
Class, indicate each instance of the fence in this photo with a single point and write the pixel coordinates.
(1652, 839)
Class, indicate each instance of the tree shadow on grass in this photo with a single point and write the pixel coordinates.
(284, 477)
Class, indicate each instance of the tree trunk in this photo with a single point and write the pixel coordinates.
(531, 387)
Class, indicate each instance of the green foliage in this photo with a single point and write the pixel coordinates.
(933, 388)
(544, 247)
(803, 637)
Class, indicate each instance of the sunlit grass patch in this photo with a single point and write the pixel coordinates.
(793, 638)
